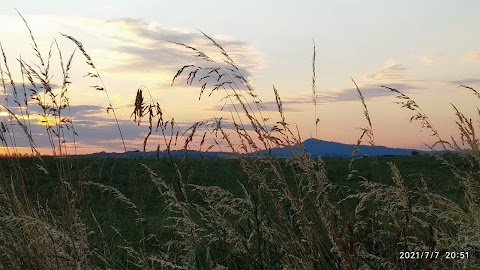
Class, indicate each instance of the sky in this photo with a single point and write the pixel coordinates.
(425, 49)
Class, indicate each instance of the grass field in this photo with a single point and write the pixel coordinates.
(64, 212)
(115, 224)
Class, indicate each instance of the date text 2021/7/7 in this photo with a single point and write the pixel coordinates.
(449, 255)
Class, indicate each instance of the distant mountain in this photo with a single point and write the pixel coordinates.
(313, 147)
(322, 148)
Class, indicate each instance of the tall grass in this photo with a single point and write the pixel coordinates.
(285, 215)
(314, 89)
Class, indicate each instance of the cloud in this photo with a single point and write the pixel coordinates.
(391, 71)
(288, 105)
(7, 89)
(86, 109)
(94, 130)
(469, 82)
(97, 132)
(148, 47)
(369, 91)
(135, 47)
(472, 56)
(428, 60)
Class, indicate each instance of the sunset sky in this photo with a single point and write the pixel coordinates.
(425, 49)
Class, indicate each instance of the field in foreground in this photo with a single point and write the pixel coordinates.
(138, 214)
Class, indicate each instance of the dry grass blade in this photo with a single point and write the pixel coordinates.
(153, 110)
(180, 71)
(314, 88)
(34, 43)
(64, 99)
(139, 107)
(230, 79)
(471, 88)
(467, 133)
(101, 88)
(84, 52)
(24, 128)
(9, 74)
(419, 115)
(117, 194)
(278, 101)
(369, 129)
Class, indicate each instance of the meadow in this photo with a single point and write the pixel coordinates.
(69, 212)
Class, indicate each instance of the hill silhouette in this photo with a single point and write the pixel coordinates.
(314, 147)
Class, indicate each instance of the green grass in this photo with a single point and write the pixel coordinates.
(134, 182)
